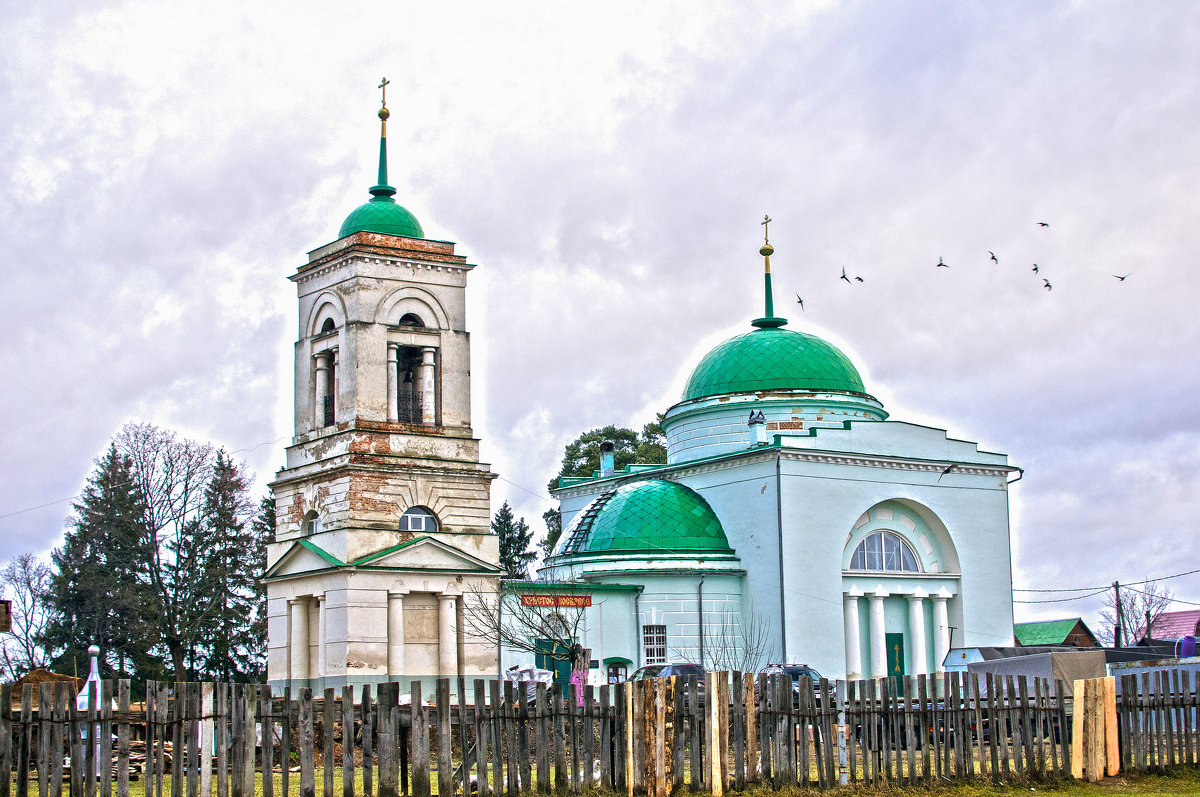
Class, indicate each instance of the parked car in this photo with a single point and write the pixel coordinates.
(795, 672)
(667, 670)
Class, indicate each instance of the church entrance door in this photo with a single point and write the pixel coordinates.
(545, 660)
(895, 659)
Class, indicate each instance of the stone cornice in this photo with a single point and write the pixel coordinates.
(321, 268)
(824, 457)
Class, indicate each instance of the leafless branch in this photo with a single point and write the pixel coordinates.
(503, 619)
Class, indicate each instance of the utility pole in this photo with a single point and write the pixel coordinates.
(1118, 625)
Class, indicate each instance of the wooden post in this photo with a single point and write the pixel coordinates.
(630, 732)
(58, 712)
(1077, 728)
(695, 736)
(481, 739)
(419, 742)
(368, 742)
(445, 764)
(305, 744)
(606, 740)
(522, 747)
(1112, 750)
(285, 740)
(712, 698)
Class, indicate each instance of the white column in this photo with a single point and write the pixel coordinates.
(321, 390)
(395, 633)
(393, 388)
(428, 387)
(447, 637)
(878, 640)
(853, 645)
(916, 632)
(322, 625)
(941, 630)
(298, 647)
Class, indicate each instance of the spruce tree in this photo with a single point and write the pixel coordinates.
(98, 594)
(230, 588)
(515, 537)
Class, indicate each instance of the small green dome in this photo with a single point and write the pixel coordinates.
(773, 359)
(382, 215)
(649, 517)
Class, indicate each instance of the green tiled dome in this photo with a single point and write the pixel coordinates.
(773, 359)
(382, 215)
(650, 516)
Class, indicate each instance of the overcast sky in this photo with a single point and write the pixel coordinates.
(167, 166)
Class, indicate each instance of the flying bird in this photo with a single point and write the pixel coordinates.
(1035, 268)
(860, 279)
(993, 254)
(941, 264)
(949, 468)
(801, 301)
(1048, 286)
(1122, 279)
(847, 279)
(1043, 224)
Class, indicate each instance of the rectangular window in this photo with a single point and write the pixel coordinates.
(654, 644)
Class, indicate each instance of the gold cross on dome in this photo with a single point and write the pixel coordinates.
(383, 87)
(766, 220)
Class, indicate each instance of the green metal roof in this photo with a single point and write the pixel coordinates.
(773, 359)
(1048, 632)
(382, 215)
(647, 516)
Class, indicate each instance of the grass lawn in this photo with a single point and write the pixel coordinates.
(1179, 783)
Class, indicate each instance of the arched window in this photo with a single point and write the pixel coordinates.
(312, 524)
(419, 519)
(884, 551)
(328, 326)
(411, 320)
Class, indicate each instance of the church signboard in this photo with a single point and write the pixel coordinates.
(557, 601)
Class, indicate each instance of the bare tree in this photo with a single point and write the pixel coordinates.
(1136, 604)
(541, 622)
(172, 475)
(25, 580)
(734, 643)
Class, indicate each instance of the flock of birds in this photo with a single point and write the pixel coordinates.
(943, 264)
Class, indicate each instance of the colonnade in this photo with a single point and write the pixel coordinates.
(300, 653)
(425, 383)
(916, 636)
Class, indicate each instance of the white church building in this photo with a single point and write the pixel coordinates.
(791, 506)
(794, 515)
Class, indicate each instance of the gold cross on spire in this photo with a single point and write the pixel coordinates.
(383, 87)
(766, 220)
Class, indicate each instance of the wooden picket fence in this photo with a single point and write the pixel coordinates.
(718, 734)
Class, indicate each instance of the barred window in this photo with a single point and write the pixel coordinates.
(654, 644)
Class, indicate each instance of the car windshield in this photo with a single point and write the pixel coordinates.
(650, 671)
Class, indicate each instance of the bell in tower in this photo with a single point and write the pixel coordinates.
(383, 508)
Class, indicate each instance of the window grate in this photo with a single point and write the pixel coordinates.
(654, 644)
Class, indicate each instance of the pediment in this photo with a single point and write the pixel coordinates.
(303, 557)
(424, 553)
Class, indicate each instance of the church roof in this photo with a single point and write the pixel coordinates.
(771, 358)
(381, 213)
(652, 516)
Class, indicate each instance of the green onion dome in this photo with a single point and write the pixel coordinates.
(383, 215)
(772, 358)
(652, 517)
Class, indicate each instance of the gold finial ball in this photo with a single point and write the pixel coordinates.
(384, 113)
(766, 250)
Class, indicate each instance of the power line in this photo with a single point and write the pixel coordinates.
(1068, 600)
(1123, 584)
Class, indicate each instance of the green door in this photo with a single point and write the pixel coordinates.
(543, 660)
(895, 659)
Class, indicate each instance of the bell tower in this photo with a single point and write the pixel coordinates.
(383, 508)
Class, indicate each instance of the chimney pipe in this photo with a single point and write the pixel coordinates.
(758, 428)
(607, 465)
